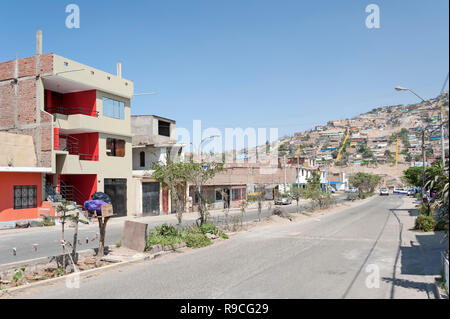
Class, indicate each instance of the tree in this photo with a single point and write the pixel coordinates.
(413, 176)
(72, 212)
(173, 176)
(296, 193)
(365, 183)
(198, 174)
(257, 197)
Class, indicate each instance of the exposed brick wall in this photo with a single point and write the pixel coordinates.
(27, 101)
(20, 106)
(7, 70)
(6, 105)
(46, 63)
(27, 67)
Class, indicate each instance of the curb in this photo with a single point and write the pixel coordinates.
(82, 274)
(42, 260)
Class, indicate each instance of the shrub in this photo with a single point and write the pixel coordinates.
(46, 221)
(425, 223)
(196, 239)
(155, 239)
(440, 225)
(224, 236)
(209, 228)
(166, 230)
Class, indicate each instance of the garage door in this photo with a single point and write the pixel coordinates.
(150, 198)
(116, 188)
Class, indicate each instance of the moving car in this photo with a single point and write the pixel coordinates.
(384, 191)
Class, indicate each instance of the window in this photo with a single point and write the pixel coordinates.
(24, 197)
(115, 147)
(237, 193)
(142, 159)
(219, 195)
(163, 128)
(113, 108)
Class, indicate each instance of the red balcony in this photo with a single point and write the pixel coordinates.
(84, 103)
(84, 145)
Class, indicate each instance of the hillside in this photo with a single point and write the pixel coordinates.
(372, 139)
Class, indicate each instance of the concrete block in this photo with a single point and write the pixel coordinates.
(134, 235)
(8, 225)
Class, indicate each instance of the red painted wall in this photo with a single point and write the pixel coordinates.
(56, 138)
(7, 183)
(86, 184)
(85, 100)
(88, 144)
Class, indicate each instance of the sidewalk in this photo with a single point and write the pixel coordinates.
(418, 261)
(158, 219)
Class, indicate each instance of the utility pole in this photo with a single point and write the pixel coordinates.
(442, 138)
(423, 162)
(285, 184)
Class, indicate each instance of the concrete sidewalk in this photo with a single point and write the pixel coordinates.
(418, 262)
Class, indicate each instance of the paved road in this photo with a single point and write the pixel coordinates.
(48, 238)
(332, 256)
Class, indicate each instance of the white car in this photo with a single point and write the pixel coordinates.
(400, 191)
(384, 191)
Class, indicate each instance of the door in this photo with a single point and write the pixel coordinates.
(165, 201)
(150, 198)
(116, 188)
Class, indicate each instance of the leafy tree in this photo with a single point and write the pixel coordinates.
(197, 174)
(413, 176)
(257, 197)
(173, 176)
(365, 183)
(296, 193)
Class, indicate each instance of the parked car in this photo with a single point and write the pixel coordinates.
(400, 191)
(351, 190)
(384, 191)
(284, 200)
(411, 191)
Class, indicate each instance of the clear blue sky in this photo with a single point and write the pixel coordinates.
(247, 63)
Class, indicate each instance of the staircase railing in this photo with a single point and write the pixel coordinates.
(70, 192)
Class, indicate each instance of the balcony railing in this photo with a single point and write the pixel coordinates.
(71, 110)
(72, 145)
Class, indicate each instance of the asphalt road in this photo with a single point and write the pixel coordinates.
(339, 255)
(48, 238)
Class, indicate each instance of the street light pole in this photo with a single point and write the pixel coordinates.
(423, 163)
(399, 88)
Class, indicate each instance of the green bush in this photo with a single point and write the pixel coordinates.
(425, 223)
(167, 230)
(224, 236)
(196, 239)
(46, 221)
(440, 225)
(209, 228)
(156, 239)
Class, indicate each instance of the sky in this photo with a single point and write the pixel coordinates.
(247, 63)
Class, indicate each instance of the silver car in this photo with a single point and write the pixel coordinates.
(384, 191)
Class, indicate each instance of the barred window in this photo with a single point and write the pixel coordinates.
(25, 197)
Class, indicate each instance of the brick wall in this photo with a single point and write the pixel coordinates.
(21, 98)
